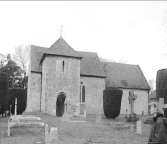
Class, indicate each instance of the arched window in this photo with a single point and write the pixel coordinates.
(63, 65)
(82, 93)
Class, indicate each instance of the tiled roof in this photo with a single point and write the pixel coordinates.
(35, 57)
(91, 65)
(124, 76)
(62, 48)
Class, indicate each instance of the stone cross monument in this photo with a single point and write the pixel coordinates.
(132, 98)
(61, 31)
(15, 108)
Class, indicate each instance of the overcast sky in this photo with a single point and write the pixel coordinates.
(130, 32)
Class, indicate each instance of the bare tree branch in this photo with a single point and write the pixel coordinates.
(21, 55)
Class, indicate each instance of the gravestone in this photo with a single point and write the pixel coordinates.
(51, 135)
(76, 109)
(139, 127)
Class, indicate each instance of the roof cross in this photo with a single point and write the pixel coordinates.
(61, 30)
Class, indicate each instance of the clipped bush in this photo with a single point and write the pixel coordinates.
(21, 95)
(161, 84)
(3, 92)
(112, 102)
(161, 87)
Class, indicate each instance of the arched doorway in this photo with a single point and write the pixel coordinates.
(60, 104)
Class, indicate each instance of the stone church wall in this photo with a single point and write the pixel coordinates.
(140, 104)
(56, 79)
(34, 92)
(94, 94)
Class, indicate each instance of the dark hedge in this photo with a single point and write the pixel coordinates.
(3, 92)
(161, 84)
(112, 102)
(21, 95)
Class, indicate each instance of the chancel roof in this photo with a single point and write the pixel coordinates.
(124, 76)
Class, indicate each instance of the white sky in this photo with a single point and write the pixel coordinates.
(131, 32)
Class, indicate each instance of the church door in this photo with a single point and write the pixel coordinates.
(60, 104)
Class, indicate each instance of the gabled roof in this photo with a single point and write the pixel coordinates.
(62, 48)
(91, 65)
(124, 76)
(35, 57)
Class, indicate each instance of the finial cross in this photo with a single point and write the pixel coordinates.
(61, 30)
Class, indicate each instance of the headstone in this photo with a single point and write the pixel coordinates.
(139, 127)
(51, 136)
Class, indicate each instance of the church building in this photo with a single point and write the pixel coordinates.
(61, 74)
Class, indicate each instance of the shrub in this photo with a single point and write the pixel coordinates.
(112, 102)
(21, 95)
(3, 92)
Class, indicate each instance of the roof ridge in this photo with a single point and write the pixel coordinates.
(143, 76)
(162, 69)
(120, 63)
(86, 52)
(32, 45)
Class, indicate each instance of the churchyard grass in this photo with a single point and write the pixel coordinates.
(90, 132)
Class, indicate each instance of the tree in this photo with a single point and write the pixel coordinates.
(3, 60)
(151, 83)
(14, 73)
(21, 55)
(12, 85)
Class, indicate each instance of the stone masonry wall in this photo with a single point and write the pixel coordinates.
(56, 79)
(140, 104)
(94, 94)
(34, 92)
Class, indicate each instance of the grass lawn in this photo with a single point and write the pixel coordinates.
(89, 132)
